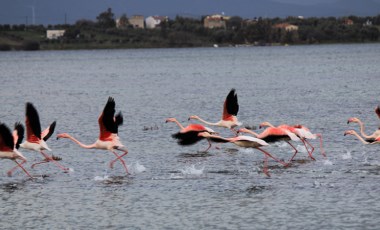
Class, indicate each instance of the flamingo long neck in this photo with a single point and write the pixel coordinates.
(253, 133)
(179, 124)
(208, 123)
(359, 137)
(80, 143)
(362, 130)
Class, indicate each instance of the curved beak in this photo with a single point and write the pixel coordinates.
(348, 122)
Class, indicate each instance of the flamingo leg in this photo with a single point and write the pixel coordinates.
(295, 152)
(209, 145)
(265, 170)
(321, 144)
(312, 148)
(269, 155)
(44, 161)
(19, 165)
(49, 158)
(119, 158)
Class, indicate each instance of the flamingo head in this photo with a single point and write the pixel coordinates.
(352, 120)
(171, 119)
(62, 135)
(193, 117)
(204, 134)
(265, 124)
(349, 132)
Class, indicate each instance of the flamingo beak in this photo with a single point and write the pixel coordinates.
(348, 122)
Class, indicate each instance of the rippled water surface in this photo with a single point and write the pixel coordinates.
(174, 187)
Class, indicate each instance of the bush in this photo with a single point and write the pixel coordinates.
(31, 45)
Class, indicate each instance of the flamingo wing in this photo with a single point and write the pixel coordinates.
(18, 134)
(251, 139)
(377, 110)
(6, 138)
(231, 105)
(32, 121)
(46, 134)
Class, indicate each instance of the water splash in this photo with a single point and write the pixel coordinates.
(136, 168)
(101, 178)
(327, 162)
(191, 170)
(347, 156)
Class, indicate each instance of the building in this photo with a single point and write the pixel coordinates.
(286, 26)
(54, 34)
(152, 22)
(215, 21)
(348, 22)
(137, 21)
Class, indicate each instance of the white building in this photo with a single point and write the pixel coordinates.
(54, 34)
(152, 22)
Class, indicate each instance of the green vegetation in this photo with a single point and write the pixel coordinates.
(190, 32)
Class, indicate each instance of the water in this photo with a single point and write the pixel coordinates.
(174, 187)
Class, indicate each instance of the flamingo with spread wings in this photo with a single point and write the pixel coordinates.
(245, 142)
(108, 136)
(230, 111)
(10, 143)
(35, 139)
(189, 135)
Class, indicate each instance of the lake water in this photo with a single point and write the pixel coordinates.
(175, 187)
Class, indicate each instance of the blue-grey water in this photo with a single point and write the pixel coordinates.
(175, 187)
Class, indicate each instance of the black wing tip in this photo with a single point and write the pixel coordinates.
(51, 130)
(119, 119)
(20, 132)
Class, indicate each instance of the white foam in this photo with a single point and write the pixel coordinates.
(191, 170)
(347, 156)
(101, 178)
(136, 168)
(327, 162)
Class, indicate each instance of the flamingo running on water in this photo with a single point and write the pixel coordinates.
(35, 139)
(189, 135)
(245, 142)
(108, 138)
(367, 141)
(10, 143)
(230, 111)
(374, 135)
(303, 133)
(274, 134)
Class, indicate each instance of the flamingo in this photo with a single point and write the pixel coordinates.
(274, 134)
(245, 142)
(108, 136)
(35, 139)
(189, 135)
(367, 141)
(230, 111)
(10, 143)
(303, 133)
(374, 135)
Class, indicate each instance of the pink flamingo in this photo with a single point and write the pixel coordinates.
(274, 134)
(374, 135)
(230, 111)
(303, 133)
(108, 138)
(245, 142)
(189, 135)
(35, 139)
(367, 141)
(10, 143)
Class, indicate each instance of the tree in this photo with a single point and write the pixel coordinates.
(123, 21)
(106, 19)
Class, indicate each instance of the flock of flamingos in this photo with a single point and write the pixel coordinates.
(191, 134)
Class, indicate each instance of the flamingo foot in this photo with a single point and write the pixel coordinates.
(9, 173)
